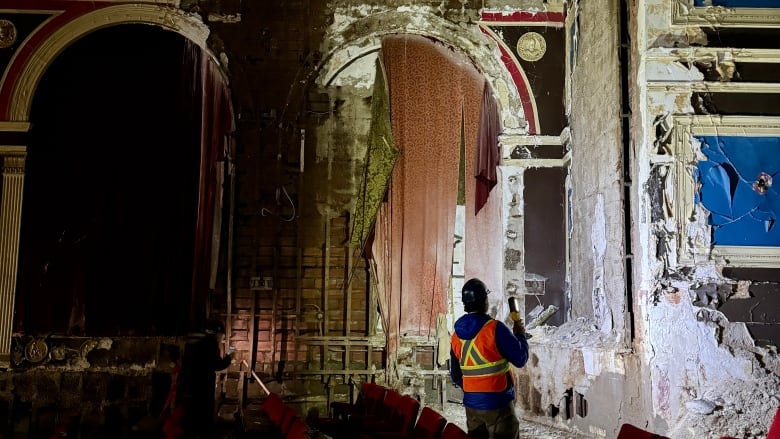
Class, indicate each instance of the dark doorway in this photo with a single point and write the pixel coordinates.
(111, 188)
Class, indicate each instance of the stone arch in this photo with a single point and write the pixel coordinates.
(34, 66)
(363, 37)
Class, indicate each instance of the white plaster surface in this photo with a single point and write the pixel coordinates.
(359, 74)
(598, 238)
(672, 71)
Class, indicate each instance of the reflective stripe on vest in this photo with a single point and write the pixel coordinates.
(484, 370)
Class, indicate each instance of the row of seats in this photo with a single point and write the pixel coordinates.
(383, 413)
(278, 421)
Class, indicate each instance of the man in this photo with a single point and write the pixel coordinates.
(480, 358)
(197, 380)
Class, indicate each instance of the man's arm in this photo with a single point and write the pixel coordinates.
(513, 347)
(455, 373)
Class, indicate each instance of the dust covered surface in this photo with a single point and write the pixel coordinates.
(743, 409)
(528, 430)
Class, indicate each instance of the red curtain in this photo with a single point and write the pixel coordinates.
(431, 86)
(484, 230)
(216, 125)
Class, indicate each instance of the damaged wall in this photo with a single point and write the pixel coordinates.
(704, 360)
(579, 367)
(301, 74)
(712, 364)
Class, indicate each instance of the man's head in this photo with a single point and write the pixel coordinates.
(215, 327)
(474, 294)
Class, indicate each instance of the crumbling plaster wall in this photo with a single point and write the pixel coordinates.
(588, 355)
(357, 30)
(598, 281)
(706, 375)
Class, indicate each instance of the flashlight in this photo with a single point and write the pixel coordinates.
(514, 312)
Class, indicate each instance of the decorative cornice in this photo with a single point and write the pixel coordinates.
(684, 13)
(713, 54)
(712, 87)
(188, 25)
(19, 127)
(13, 164)
(13, 159)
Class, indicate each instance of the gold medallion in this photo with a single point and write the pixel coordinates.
(531, 46)
(7, 34)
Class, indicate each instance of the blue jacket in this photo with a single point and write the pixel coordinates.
(514, 349)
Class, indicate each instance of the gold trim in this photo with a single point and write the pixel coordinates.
(531, 97)
(685, 14)
(685, 127)
(12, 150)
(15, 126)
(176, 20)
(531, 46)
(27, 39)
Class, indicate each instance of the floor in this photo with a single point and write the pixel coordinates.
(453, 412)
(528, 430)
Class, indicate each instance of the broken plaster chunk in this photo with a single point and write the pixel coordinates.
(700, 406)
(742, 290)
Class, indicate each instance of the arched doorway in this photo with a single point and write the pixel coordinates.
(113, 220)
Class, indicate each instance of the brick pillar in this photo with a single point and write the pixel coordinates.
(13, 158)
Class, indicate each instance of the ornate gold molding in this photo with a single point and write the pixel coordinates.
(19, 127)
(188, 25)
(690, 249)
(7, 33)
(531, 46)
(686, 14)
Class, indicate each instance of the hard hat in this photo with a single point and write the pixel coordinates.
(474, 291)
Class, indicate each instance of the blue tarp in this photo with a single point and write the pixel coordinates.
(738, 187)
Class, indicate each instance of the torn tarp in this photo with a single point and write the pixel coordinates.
(736, 187)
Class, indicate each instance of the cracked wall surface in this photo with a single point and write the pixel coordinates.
(680, 339)
(702, 357)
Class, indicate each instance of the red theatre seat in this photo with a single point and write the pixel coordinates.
(628, 431)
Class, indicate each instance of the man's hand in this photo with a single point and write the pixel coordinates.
(518, 328)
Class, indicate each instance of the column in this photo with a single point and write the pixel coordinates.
(12, 158)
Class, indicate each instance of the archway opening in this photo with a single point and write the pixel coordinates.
(111, 188)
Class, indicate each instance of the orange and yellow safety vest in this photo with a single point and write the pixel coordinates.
(484, 368)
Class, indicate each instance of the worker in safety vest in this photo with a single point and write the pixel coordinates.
(480, 358)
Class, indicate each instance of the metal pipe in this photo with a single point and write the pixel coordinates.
(259, 381)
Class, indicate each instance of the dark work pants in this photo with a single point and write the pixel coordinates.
(500, 423)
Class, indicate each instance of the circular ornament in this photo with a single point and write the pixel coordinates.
(531, 46)
(36, 351)
(7, 34)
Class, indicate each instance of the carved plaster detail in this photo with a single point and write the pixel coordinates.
(7, 34)
(685, 13)
(531, 46)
